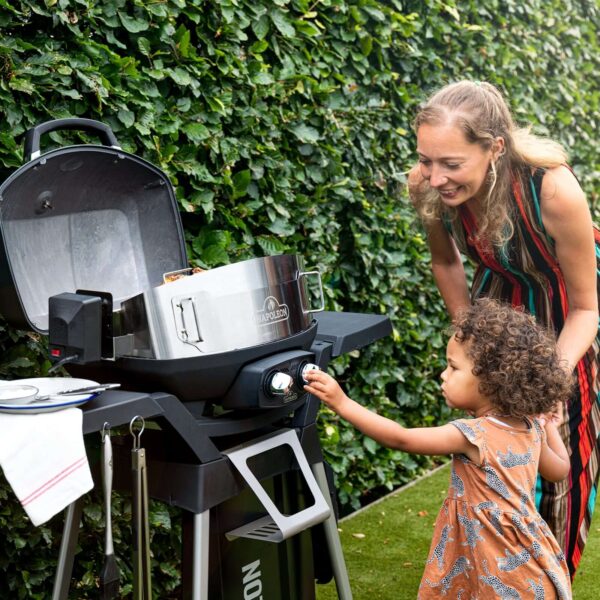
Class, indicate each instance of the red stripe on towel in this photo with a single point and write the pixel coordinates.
(54, 481)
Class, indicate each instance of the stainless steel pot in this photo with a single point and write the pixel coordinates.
(236, 306)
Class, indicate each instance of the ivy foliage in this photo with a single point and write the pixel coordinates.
(285, 126)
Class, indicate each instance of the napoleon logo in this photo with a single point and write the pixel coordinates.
(251, 581)
(272, 312)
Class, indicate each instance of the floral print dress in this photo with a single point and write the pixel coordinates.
(489, 539)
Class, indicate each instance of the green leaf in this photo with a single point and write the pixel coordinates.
(366, 44)
(144, 46)
(180, 76)
(263, 78)
(241, 180)
(127, 117)
(281, 227)
(282, 23)
(21, 85)
(271, 246)
(197, 132)
(261, 27)
(259, 47)
(206, 201)
(69, 93)
(182, 39)
(305, 133)
(307, 28)
(133, 24)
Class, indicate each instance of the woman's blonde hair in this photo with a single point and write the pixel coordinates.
(480, 111)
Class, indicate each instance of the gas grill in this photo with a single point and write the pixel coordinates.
(93, 256)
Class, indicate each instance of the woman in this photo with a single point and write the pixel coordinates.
(506, 199)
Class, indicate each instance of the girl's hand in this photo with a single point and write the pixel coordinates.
(326, 389)
(555, 417)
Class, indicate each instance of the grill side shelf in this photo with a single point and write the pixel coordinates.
(347, 331)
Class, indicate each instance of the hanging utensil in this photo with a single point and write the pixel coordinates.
(109, 576)
(142, 586)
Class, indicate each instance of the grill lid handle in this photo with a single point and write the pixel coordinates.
(33, 135)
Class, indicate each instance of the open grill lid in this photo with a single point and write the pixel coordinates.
(89, 217)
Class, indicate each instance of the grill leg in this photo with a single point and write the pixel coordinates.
(66, 556)
(200, 556)
(332, 538)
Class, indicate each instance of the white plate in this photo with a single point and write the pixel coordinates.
(49, 385)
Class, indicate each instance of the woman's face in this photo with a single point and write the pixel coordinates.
(455, 167)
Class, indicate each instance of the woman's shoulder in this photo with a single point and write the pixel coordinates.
(560, 188)
(562, 199)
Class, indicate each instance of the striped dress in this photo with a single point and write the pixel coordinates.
(525, 272)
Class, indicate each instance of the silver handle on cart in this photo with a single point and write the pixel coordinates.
(318, 275)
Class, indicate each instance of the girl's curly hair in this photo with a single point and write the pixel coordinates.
(516, 360)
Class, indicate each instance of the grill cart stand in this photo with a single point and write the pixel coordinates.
(250, 509)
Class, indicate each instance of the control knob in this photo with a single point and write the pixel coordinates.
(280, 384)
(304, 369)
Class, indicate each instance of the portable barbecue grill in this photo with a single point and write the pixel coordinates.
(93, 256)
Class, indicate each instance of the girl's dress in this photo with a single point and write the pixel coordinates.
(525, 272)
(489, 539)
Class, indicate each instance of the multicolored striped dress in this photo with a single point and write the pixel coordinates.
(525, 272)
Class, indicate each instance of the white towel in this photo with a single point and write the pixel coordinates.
(43, 458)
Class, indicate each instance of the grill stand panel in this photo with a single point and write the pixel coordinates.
(277, 527)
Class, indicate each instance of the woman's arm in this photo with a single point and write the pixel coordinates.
(566, 217)
(447, 268)
(424, 440)
(446, 264)
(554, 458)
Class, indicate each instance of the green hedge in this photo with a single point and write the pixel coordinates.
(285, 127)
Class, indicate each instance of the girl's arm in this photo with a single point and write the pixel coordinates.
(425, 440)
(554, 458)
(566, 217)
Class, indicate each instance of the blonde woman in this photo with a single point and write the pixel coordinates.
(506, 199)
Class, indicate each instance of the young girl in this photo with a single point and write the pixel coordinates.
(489, 540)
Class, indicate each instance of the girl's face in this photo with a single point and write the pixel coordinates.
(455, 167)
(459, 386)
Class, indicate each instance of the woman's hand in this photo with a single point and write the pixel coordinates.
(326, 388)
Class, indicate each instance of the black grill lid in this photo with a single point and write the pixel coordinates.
(83, 217)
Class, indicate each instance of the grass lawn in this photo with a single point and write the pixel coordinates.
(386, 545)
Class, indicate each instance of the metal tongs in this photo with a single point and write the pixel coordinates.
(142, 586)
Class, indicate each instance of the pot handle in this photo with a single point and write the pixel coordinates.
(33, 135)
(318, 275)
